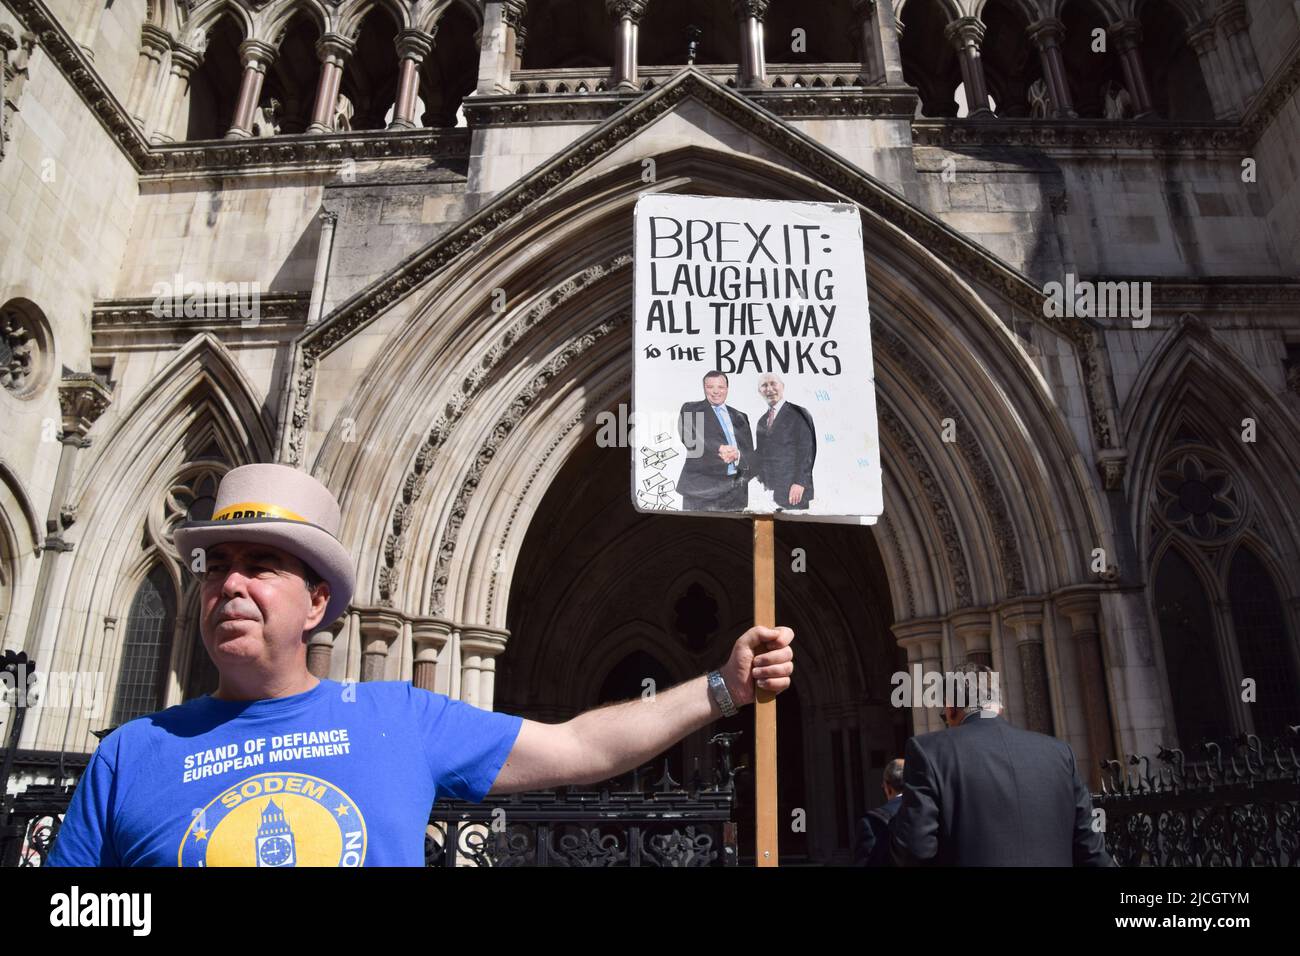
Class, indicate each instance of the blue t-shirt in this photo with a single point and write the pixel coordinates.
(340, 775)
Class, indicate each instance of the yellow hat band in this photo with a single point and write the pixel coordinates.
(255, 509)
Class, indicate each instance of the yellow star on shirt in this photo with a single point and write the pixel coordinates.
(341, 810)
(200, 834)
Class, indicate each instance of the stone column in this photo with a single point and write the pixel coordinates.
(154, 44)
(412, 47)
(1201, 39)
(254, 57)
(87, 29)
(974, 628)
(1025, 620)
(380, 629)
(184, 62)
(320, 648)
(627, 15)
(1233, 19)
(923, 641)
(333, 51)
(1046, 36)
(429, 635)
(514, 12)
(479, 647)
(965, 34)
(316, 306)
(878, 42)
(1127, 35)
(493, 65)
(82, 399)
(753, 68)
(1082, 609)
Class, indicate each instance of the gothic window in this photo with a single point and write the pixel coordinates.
(148, 642)
(1191, 656)
(1262, 644)
(1228, 617)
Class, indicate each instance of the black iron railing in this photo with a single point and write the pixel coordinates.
(1234, 804)
(615, 825)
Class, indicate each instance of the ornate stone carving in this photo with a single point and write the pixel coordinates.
(304, 151)
(18, 350)
(986, 484)
(1067, 134)
(71, 61)
(14, 55)
(632, 10)
(892, 533)
(500, 432)
(596, 401)
(1197, 496)
(82, 399)
(1111, 465)
(951, 540)
(471, 385)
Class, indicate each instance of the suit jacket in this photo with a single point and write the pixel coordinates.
(706, 475)
(786, 453)
(873, 834)
(988, 794)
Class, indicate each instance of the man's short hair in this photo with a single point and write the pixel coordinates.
(310, 576)
(983, 686)
(716, 374)
(893, 775)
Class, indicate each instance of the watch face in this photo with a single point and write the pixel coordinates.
(274, 851)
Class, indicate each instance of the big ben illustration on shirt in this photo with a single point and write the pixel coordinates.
(274, 838)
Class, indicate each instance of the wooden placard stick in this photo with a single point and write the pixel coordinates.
(764, 700)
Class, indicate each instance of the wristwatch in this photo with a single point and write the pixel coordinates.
(718, 687)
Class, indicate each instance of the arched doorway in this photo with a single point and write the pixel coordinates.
(607, 603)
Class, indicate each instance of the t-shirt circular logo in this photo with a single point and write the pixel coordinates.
(277, 819)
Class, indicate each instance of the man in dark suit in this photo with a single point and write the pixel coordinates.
(873, 829)
(719, 451)
(787, 446)
(984, 793)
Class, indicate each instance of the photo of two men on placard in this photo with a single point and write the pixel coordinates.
(724, 453)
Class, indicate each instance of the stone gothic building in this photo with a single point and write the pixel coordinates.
(389, 242)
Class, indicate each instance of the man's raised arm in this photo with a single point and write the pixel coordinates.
(613, 739)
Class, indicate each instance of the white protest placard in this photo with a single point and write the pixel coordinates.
(753, 391)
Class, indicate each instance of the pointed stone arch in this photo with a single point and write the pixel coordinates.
(20, 546)
(430, 12)
(201, 400)
(1172, 389)
(593, 216)
(276, 17)
(205, 15)
(351, 18)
